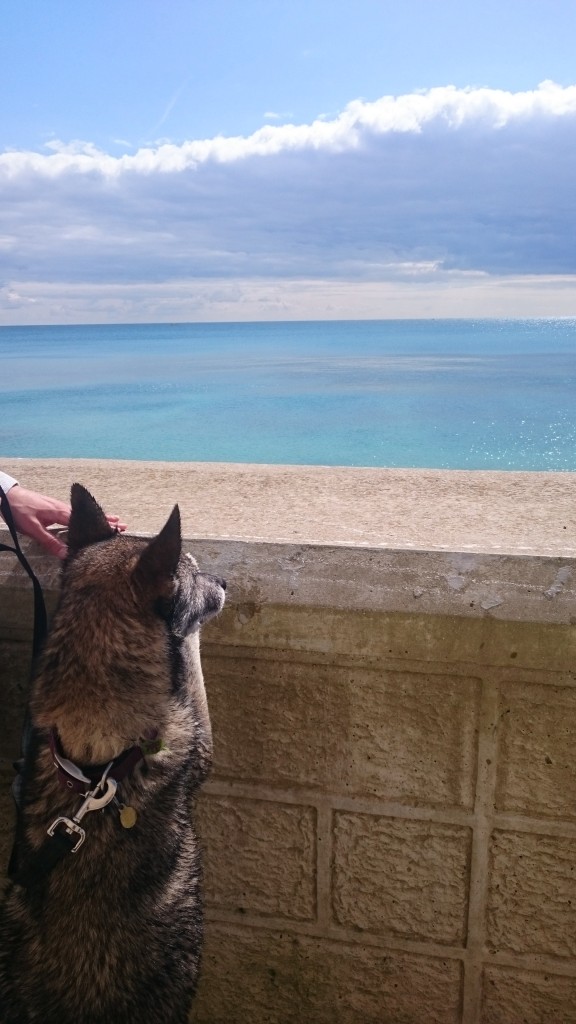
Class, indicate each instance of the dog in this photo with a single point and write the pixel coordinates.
(102, 922)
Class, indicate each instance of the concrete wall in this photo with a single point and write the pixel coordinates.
(390, 829)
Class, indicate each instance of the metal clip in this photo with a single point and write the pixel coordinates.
(96, 803)
(91, 802)
(71, 826)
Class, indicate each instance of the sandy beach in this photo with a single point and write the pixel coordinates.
(394, 508)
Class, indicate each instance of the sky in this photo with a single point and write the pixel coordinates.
(248, 160)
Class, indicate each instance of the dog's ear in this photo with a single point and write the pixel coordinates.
(158, 562)
(88, 524)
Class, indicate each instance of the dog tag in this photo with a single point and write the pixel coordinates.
(128, 817)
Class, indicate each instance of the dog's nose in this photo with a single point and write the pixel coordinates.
(215, 579)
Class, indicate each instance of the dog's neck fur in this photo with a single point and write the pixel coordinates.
(93, 726)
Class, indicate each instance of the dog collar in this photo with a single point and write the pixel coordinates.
(77, 778)
(98, 784)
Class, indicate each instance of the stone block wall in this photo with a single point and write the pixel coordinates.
(390, 829)
(394, 820)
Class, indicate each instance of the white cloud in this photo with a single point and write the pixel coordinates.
(275, 115)
(427, 187)
(413, 113)
(10, 298)
(444, 294)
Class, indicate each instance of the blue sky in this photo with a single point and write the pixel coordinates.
(286, 160)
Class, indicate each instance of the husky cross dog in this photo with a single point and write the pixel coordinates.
(102, 923)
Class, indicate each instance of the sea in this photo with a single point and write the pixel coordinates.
(448, 394)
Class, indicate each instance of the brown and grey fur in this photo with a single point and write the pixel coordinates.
(112, 935)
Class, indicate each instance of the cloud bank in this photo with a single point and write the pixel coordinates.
(446, 188)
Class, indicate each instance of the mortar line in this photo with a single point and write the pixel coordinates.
(392, 662)
(449, 815)
(513, 822)
(532, 963)
(335, 933)
(510, 820)
(479, 866)
(535, 963)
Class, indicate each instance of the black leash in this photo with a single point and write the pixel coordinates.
(38, 637)
(47, 857)
(40, 617)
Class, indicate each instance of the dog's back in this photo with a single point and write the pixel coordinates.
(112, 932)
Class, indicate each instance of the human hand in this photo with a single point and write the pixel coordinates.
(33, 513)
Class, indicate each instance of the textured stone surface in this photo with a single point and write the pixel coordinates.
(393, 735)
(523, 997)
(532, 900)
(431, 638)
(401, 878)
(260, 856)
(536, 764)
(255, 977)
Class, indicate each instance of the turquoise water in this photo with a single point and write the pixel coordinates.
(457, 394)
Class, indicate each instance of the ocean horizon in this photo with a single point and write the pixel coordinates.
(446, 394)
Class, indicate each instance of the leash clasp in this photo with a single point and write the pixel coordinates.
(91, 802)
(71, 826)
(96, 803)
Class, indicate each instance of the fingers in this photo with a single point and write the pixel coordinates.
(54, 546)
(115, 522)
(36, 528)
(54, 514)
(58, 514)
(49, 541)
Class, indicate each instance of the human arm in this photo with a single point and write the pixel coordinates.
(33, 513)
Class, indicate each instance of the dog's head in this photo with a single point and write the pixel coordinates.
(159, 577)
